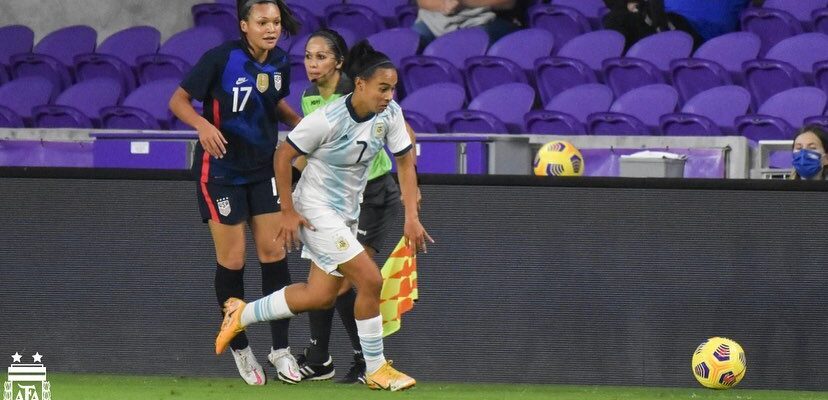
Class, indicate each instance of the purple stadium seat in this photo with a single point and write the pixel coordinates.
(421, 71)
(710, 112)
(800, 9)
(419, 122)
(317, 7)
(567, 112)
(821, 75)
(64, 44)
(178, 54)
(41, 66)
(788, 64)
(396, 43)
(80, 105)
(387, 9)
(782, 113)
(53, 56)
(563, 22)
(457, 46)
(130, 43)
(310, 24)
(23, 94)
(692, 76)
(506, 103)
(592, 9)
(360, 20)
(647, 61)
(728, 51)
(220, 16)
(578, 62)
(819, 120)
(10, 119)
(771, 25)
(16, 39)
(145, 108)
(524, 47)
(801, 51)
(662, 48)
(406, 15)
(116, 57)
(819, 20)
(469, 121)
(4, 74)
(510, 59)
(557, 74)
(765, 78)
(98, 66)
(486, 72)
(435, 101)
(594, 47)
(636, 112)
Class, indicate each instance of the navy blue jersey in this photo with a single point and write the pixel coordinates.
(240, 97)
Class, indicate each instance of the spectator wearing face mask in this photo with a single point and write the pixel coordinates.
(809, 158)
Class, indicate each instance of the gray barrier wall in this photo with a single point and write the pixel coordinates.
(581, 285)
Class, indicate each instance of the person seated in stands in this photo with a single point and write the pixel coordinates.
(809, 158)
(703, 20)
(497, 17)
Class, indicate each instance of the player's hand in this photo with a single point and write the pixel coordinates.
(415, 234)
(212, 140)
(289, 229)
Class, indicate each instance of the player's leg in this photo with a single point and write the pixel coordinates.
(224, 208)
(264, 223)
(366, 277)
(380, 206)
(319, 292)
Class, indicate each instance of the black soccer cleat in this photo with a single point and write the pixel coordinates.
(356, 374)
(315, 372)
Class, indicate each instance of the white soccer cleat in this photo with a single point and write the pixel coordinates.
(287, 370)
(249, 369)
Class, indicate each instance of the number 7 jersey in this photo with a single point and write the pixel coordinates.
(340, 147)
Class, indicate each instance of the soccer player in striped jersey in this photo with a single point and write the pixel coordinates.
(340, 141)
(243, 84)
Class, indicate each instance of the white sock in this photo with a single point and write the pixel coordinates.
(370, 337)
(267, 308)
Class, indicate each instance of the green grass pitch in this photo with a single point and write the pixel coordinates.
(100, 387)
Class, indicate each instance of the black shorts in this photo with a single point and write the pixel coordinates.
(231, 205)
(380, 204)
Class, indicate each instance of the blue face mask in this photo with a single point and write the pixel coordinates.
(807, 163)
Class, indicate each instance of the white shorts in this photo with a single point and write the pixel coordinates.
(334, 242)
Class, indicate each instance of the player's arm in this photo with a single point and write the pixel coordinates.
(208, 135)
(291, 220)
(287, 114)
(413, 230)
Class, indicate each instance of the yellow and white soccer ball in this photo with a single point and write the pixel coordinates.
(719, 363)
(559, 158)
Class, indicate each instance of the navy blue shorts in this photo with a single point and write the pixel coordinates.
(231, 205)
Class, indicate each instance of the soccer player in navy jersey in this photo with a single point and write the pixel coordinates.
(243, 84)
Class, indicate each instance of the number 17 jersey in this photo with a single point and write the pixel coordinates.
(340, 147)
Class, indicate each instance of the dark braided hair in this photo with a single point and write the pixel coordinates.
(363, 61)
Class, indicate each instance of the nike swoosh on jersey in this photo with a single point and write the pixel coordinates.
(240, 81)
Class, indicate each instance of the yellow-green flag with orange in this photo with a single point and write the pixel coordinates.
(399, 286)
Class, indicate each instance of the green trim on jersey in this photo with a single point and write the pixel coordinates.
(313, 100)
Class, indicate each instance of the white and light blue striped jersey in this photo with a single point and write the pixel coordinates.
(340, 148)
